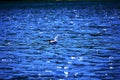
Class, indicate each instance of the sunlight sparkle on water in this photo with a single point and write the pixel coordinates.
(66, 67)
(73, 57)
(59, 67)
(66, 74)
(69, 62)
(88, 45)
(76, 74)
(111, 67)
(48, 61)
(48, 71)
(80, 58)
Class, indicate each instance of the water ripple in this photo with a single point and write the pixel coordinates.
(88, 43)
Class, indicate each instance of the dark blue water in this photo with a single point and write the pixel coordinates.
(88, 45)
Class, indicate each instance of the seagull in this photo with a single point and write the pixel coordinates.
(53, 41)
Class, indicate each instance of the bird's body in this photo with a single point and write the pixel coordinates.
(52, 42)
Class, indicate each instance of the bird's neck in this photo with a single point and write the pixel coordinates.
(55, 39)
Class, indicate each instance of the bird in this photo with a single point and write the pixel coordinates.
(52, 42)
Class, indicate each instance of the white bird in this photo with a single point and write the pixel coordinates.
(53, 41)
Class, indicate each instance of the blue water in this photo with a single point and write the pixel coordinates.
(88, 45)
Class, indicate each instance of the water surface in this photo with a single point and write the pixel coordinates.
(88, 44)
